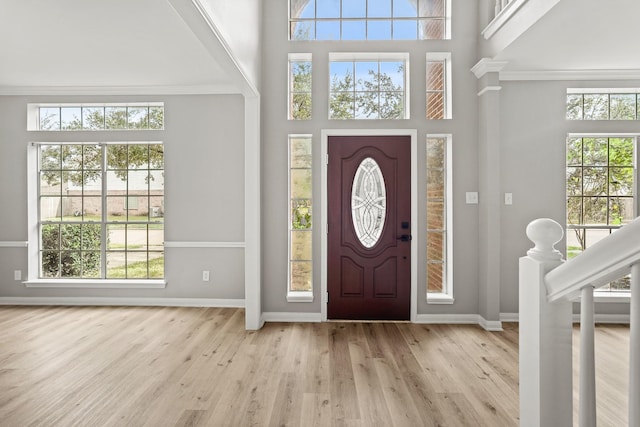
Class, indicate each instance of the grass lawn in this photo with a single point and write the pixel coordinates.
(138, 270)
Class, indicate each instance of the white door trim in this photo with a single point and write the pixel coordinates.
(325, 134)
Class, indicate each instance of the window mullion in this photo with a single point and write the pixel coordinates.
(103, 220)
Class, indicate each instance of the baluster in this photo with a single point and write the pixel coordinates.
(634, 346)
(587, 404)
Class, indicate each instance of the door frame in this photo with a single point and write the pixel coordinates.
(324, 147)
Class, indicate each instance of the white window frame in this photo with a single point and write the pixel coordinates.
(298, 296)
(448, 81)
(374, 57)
(446, 296)
(608, 296)
(33, 279)
(446, 20)
(298, 57)
(33, 114)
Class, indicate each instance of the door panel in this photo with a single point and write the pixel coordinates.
(369, 209)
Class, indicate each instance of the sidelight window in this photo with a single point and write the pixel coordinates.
(439, 248)
(300, 219)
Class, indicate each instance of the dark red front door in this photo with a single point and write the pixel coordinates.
(369, 219)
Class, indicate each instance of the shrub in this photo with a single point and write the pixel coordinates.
(71, 250)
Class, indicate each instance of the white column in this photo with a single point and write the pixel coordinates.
(546, 395)
(587, 403)
(634, 345)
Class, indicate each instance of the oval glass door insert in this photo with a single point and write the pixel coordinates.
(368, 202)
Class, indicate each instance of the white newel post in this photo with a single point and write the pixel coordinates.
(634, 345)
(587, 402)
(546, 398)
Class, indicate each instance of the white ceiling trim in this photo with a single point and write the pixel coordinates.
(221, 89)
(570, 75)
(502, 17)
(194, 14)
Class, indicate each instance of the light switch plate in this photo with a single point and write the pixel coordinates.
(472, 197)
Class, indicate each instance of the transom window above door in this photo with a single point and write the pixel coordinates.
(368, 19)
(362, 86)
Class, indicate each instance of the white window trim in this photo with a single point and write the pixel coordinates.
(297, 57)
(448, 86)
(297, 296)
(614, 296)
(33, 255)
(33, 112)
(446, 297)
(378, 57)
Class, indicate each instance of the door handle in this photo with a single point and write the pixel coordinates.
(404, 238)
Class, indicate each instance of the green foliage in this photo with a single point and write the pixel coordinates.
(82, 163)
(301, 90)
(599, 181)
(71, 250)
(380, 97)
(301, 215)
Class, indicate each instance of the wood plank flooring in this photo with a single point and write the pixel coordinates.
(133, 366)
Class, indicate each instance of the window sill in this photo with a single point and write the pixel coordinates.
(439, 298)
(300, 296)
(97, 284)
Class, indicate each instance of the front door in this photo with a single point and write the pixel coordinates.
(369, 220)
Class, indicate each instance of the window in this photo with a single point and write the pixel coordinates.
(363, 87)
(299, 86)
(300, 219)
(600, 191)
(100, 210)
(603, 104)
(439, 86)
(65, 117)
(439, 269)
(368, 19)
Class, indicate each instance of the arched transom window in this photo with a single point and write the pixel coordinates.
(368, 19)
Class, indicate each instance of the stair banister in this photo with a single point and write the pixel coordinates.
(548, 285)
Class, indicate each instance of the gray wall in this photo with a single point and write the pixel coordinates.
(533, 138)
(204, 190)
(276, 127)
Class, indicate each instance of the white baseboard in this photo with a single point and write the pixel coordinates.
(96, 301)
(291, 317)
(461, 319)
(509, 317)
(623, 319)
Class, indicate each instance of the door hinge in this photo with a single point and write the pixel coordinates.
(326, 159)
(326, 297)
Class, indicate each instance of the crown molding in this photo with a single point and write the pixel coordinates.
(215, 89)
(487, 65)
(570, 75)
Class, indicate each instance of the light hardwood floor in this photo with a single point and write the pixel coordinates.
(130, 366)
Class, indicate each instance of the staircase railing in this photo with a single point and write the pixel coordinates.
(548, 286)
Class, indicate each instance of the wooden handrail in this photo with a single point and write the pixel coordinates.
(608, 260)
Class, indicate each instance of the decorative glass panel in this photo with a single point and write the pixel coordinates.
(368, 202)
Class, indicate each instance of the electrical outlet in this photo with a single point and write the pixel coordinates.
(17, 275)
(205, 275)
(508, 198)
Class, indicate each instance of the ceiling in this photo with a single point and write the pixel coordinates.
(101, 43)
(146, 44)
(579, 35)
